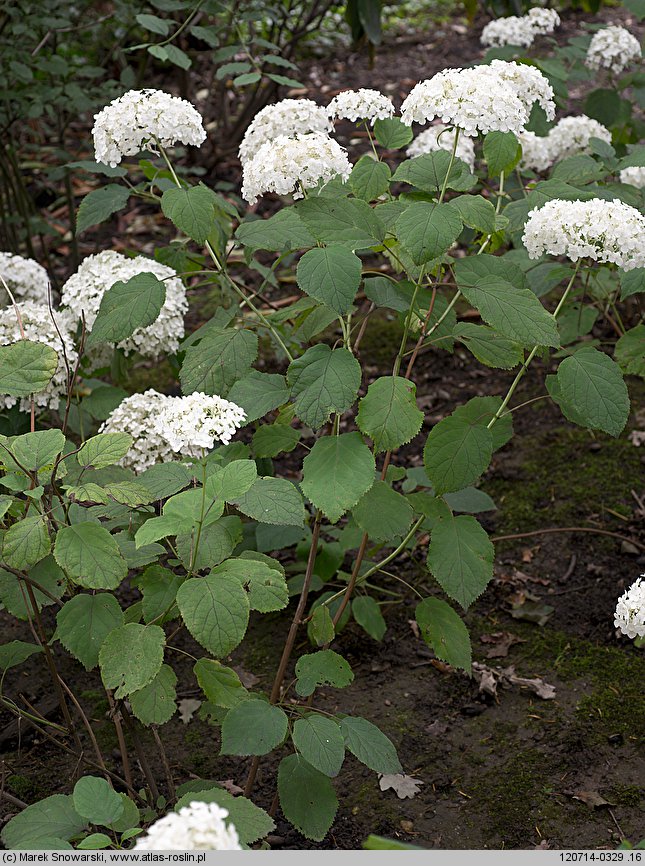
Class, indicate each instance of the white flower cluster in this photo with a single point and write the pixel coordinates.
(480, 99)
(441, 137)
(634, 175)
(288, 117)
(163, 427)
(630, 610)
(27, 280)
(571, 135)
(535, 151)
(83, 292)
(197, 827)
(280, 165)
(522, 30)
(144, 118)
(612, 48)
(605, 231)
(39, 327)
(363, 104)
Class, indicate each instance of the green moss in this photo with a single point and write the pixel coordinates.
(24, 788)
(381, 340)
(159, 375)
(626, 795)
(98, 702)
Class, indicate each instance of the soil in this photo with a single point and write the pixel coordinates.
(511, 771)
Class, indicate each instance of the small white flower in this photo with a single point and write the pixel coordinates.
(612, 48)
(363, 104)
(522, 30)
(440, 137)
(136, 415)
(634, 175)
(27, 280)
(289, 117)
(39, 327)
(141, 118)
(571, 135)
(280, 165)
(536, 154)
(605, 231)
(190, 424)
(630, 610)
(197, 827)
(83, 292)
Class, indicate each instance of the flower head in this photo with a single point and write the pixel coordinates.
(522, 30)
(136, 415)
(536, 154)
(612, 48)
(199, 826)
(571, 135)
(83, 292)
(363, 104)
(605, 231)
(190, 424)
(634, 175)
(289, 117)
(441, 137)
(630, 610)
(38, 326)
(480, 99)
(543, 20)
(280, 165)
(143, 118)
(27, 280)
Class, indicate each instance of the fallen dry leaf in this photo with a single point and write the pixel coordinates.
(230, 786)
(247, 679)
(535, 684)
(530, 608)
(502, 641)
(590, 798)
(187, 709)
(490, 678)
(404, 786)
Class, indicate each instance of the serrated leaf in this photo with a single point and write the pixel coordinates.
(322, 381)
(13, 593)
(26, 543)
(192, 210)
(321, 626)
(383, 513)
(593, 389)
(460, 556)
(332, 275)
(480, 410)
(273, 500)
(320, 742)
(253, 727)
(349, 222)
(367, 614)
(444, 631)
(220, 684)
(126, 307)
(488, 346)
(103, 450)
(324, 667)
(282, 231)
(273, 439)
(155, 704)
(95, 800)
(389, 414)
(475, 212)
(392, 133)
(131, 656)
(220, 358)
(216, 612)
(83, 623)
(36, 450)
(456, 453)
(502, 151)
(337, 472)
(370, 745)
(470, 500)
(370, 178)
(53, 817)
(307, 797)
(427, 230)
(26, 367)
(428, 172)
(267, 587)
(159, 587)
(100, 204)
(90, 555)
(16, 652)
(630, 351)
(251, 822)
(259, 393)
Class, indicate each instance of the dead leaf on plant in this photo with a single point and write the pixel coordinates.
(187, 709)
(404, 786)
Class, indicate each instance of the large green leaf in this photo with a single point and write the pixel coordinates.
(488, 346)
(367, 613)
(220, 358)
(370, 745)
(592, 391)
(100, 204)
(228, 482)
(266, 586)
(481, 410)
(370, 178)
(90, 555)
(53, 817)
(192, 210)
(456, 453)
(220, 684)
(475, 211)
(320, 742)
(630, 351)
(154, 704)
(13, 594)
(216, 612)
(259, 393)
(392, 133)
(273, 500)
(428, 172)
(37, 450)
(444, 631)
(324, 667)
(323, 380)
(16, 652)
(131, 657)
(332, 275)
(253, 727)
(427, 230)
(383, 513)
(502, 152)
(337, 472)
(345, 221)
(460, 556)
(273, 439)
(26, 543)
(127, 306)
(95, 800)
(283, 231)
(251, 822)
(307, 798)
(389, 414)
(83, 623)
(26, 367)
(103, 450)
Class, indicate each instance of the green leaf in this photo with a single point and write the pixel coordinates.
(324, 667)
(126, 307)
(283, 231)
(460, 556)
(428, 172)
(322, 381)
(307, 797)
(253, 727)
(216, 542)
(94, 842)
(36, 450)
(370, 745)
(95, 800)
(350, 222)
(384, 293)
(273, 500)
(321, 627)
(100, 204)
(630, 351)
(332, 275)
(266, 586)
(229, 482)
(131, 656)
(154, 704)
(246, 78)
(475, 211)
(470, 500)
(392, 133)
(444, 631)
(502, 152)
(156, 528)
(337, 472)
(456, 453)
(192, 210)
(273, 439)
(284, 80)
(380, 843)
(165, 479)
(26, 368)
(259, 393)
(83, 623)
(389, 414)
(632, 282)
(481, 410)
(604, 105)
(15, 653)
(216, 612)
(53, 817)
(367, 614)
(159, 588)
(320, 742)
(220, 358)
(90, 555)
(251, 822)
(154, 24)
(26, 543)
(383, 513)
(14, 596)
(220, 684)
(427, 230)
(591, 388)
(103, 450)
(370, 179)
(488, 346)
